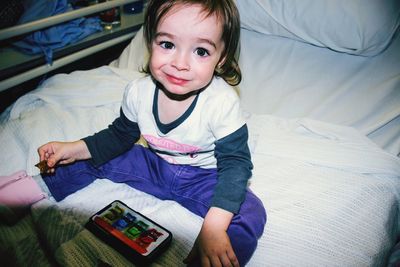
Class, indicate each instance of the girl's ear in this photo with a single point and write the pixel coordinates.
(221, 62)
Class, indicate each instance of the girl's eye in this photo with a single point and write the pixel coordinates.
(166, 45)
(202, 52)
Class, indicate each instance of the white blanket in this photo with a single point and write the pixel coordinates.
(332, 196)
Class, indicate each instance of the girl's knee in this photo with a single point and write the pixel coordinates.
(247, 227)
(253, 214)
(243, 243)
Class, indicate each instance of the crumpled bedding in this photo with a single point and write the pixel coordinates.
(331, 195)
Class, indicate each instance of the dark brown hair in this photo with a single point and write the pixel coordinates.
(225, 10)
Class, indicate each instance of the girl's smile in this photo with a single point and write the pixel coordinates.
(176, 81)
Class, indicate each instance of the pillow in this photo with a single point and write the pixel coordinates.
(359, 27)
(135, 55)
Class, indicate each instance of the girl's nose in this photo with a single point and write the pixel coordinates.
(180, 61)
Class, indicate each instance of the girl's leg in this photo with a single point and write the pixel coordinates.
(138, 168)
(247, 227)
(68, 179)
(143, 170)
(194, 189)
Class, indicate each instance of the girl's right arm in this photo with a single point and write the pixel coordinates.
(119, 137)
(63, 153)
(101, 147)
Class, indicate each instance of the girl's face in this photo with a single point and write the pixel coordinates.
(186, 49)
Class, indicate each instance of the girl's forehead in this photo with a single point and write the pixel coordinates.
(194, 13)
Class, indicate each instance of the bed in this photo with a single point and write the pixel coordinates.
(322, 102)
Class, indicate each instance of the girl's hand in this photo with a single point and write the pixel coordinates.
(63, 153)
(213, 246)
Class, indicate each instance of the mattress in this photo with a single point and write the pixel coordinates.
(293, 79)
(331, 194)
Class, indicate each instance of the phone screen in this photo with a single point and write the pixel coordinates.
(131, 228)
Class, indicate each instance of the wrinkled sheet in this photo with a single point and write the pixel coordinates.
(292, 79)
(331, 194)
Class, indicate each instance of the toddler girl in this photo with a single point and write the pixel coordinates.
(189, 114)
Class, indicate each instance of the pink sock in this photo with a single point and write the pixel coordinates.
(19, 190)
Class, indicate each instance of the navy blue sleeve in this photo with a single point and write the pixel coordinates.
(119, 137)
(234, 170)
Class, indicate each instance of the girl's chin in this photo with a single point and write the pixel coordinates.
(176, 88)
(179, 93)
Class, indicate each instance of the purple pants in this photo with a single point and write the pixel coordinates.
(192, 187)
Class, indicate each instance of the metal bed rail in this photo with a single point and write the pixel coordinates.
(28, 74)
(25, 76)
(53, 20)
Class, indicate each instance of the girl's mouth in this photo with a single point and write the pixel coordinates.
(176, 80)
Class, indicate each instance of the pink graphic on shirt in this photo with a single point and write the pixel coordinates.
(171, 145)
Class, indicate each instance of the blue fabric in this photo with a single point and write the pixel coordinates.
(40, 9)
(45, 41)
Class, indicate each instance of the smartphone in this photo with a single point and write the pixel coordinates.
(132, 234)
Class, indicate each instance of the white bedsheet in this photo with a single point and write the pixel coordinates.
(291, 79)
(332, 196)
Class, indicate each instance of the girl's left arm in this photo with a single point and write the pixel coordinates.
(234, 170)
(234, 166)
(213, 246)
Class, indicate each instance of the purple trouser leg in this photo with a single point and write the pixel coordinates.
(192, 187)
